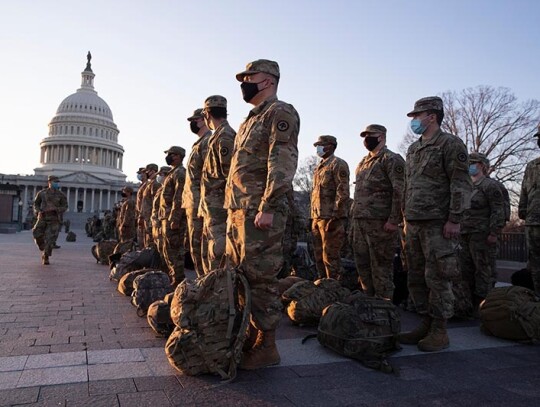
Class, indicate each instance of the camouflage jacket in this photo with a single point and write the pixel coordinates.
(140, 193)
(128, 216)
(155, 206)
(264, 159)
(216, 168)
(529, 199)
(486, 213)
(148, 198)
(379, 187)
(192, 188)
(330, 194)
(506, 199)
(170, 203)
(437, 181)
(50, 200)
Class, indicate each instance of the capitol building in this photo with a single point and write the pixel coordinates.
(82, 149)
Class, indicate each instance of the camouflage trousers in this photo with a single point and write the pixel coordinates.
(374, 251)
(213, 236)
(259, 255)
(173, 249)
(289, 243)
(141, 235)
(475, 262)
(532, 234)
(432, 266)
(127, 233)
(45, 232)
(194, 235)
(328, 237)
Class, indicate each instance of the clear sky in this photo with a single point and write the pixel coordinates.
(344, 64)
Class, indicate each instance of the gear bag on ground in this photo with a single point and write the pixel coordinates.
(159, 316)
(102, 250)
(149, 287)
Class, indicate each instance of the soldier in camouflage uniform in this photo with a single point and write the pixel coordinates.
(49, 206)
(262, 169)
(127, 218)
(145, 210)
(213, 179)
(295, 225)
(507, 212)
(157, 237)
(172, 216)
(437, 191)
(192, 188)
(141, 176)
(329, 208)
(480, 226)
(529, 210)
(377, 213)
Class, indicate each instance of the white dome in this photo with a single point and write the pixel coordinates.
(87, 102)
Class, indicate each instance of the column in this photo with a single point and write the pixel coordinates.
(100, 206)
(92, 203)
(109, 206)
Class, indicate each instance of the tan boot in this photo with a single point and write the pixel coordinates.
(419, 333)
(437, 339)
(251, 338)
(264, 353)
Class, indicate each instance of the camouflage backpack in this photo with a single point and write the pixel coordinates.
(103, 250)
(135, 260)
(119, 250)
(159, 316)
(211, 323)
(363, 328)
(125, 284)
(71, 237)
(307, 299)
(511, 313)
(151, 286)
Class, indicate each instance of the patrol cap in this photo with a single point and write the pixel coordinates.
(141, 170)
(53, 178)
(260, 65)
(325, 140)
(538, 132)
(176, 150)
(197, 114)
(165, 169)
(427, 103)
(151, 167)
(127, 189)
(215, 101)
(373, 128)
(479, 158)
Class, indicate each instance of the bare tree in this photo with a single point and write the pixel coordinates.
(303, 179)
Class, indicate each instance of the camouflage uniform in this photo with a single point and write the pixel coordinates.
(145, 212)
(377, 200)
(437, 190)
(170, 211)
(529, 209)
(295, 225)
(329, 209)
(494, 249)
(127, 220)
(261, 173)
(49, 206)
(138, 203)
(191, 198)
(213, 180)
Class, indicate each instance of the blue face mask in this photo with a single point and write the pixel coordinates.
(55, 185)
(320, 151)
(473, 170)
(139, 177)
(417, 127)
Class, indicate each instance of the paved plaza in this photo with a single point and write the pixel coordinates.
(68, 338)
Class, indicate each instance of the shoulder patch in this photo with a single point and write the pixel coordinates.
(224, 151)
(398, 169)
(462, 157)
(343, 174)
(283, 125)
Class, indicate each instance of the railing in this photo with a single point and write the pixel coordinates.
(513, 247)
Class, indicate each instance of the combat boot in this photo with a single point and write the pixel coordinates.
(56, 246)
(437, 338)
(264, 353)
(419, 333)
(251, 338)
(44, 259)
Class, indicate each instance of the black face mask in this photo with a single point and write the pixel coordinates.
(371, 143)
(124, 194)
(249, 90)
(169, 159)
(194, 127)
(538, 141)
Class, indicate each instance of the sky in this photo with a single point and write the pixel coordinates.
(344, 64)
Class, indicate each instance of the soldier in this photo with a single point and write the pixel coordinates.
(108, 225)
(213, 179)
(172, 216)
(295, 225)
(156, 223)
(480, 226)
(67, 225)
(192, 188)
(377, 213)
(329, 208)
(437, 191)
(145, 210)
(507, 212)
(529, 210)
(49, 206)
(141, 176)
(127, 218)
(261, 173)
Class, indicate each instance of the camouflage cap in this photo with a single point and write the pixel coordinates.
(479, 158)
(428, 103)
(373, 128)
(165, 169)
(141, 170)
(53, 178)
(260, 65)
(151, 167)
(127, 189)
(325, 140)
(197, 114)
(176, 150)
(215, 101)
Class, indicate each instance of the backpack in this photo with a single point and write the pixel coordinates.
(363, 328)
(511, 313)
(523, 278)
(349, 275)
(135, 260)
(302, 264)
(307, 299)
(125, 284)
(103, 250)
(151, 286)
(71, 237)
(211, 323)
(159, 316)
(119, 250)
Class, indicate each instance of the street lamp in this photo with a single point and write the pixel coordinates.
(20, 214)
